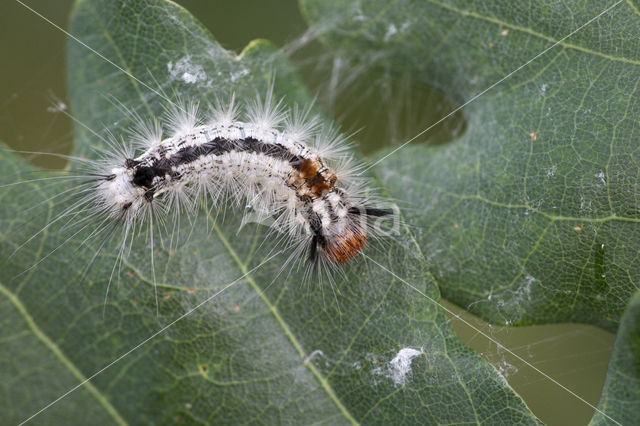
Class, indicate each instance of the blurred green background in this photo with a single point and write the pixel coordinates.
(383, 111)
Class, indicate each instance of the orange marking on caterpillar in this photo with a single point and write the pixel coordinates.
(346, 246)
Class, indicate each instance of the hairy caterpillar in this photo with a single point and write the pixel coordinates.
(284, 166)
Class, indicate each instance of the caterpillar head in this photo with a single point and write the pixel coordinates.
(342, 234)
(343, 247)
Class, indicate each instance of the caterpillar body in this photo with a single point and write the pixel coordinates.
(283, 166)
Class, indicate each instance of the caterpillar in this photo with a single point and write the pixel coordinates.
(281, 164)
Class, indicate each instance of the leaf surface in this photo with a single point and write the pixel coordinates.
(532, 215)
(267, 349)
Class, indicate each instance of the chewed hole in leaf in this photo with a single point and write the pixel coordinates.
(382, 109)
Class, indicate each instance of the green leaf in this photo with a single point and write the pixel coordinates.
(267, 349)
(532, 216)
(622, 387)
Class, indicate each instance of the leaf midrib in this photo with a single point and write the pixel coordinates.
(529, 31)
(612, 217)
(66, 362)
(287, 331)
